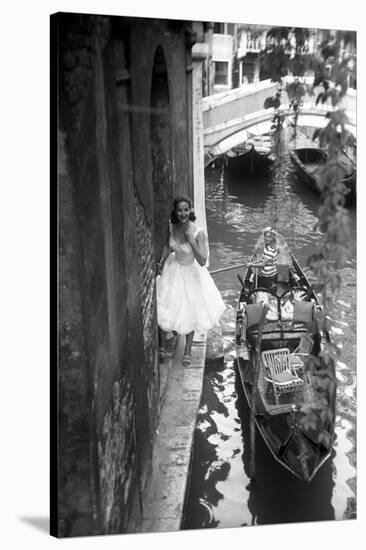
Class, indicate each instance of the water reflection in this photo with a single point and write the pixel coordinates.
(220, 494)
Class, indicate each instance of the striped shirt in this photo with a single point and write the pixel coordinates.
(270, 257)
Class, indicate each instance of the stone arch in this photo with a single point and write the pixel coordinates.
(161, 153)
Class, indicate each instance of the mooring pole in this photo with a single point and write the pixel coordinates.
(257, 367)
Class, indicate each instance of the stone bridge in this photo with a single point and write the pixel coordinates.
(230, 116)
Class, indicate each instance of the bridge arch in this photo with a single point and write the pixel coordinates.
(229, 117)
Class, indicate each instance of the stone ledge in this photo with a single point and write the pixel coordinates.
(163, 500)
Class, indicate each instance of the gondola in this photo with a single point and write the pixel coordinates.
(255, 156)
(309, 161)
(281, 347)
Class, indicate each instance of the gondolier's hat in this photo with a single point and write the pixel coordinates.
(269, 229)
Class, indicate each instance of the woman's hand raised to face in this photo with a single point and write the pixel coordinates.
(189, 235)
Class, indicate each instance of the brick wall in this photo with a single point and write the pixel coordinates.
(147, 263)
(119, 477)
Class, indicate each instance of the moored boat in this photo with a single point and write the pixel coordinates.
(273, 360)
(309, 162)
(253, 156)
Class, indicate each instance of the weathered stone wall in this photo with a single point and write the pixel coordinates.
(147, 262)
(75, 498)
(108, 370)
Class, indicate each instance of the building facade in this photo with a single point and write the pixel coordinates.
(122, 147)
(236, 51)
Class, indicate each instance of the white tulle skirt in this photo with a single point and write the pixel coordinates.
(187, 298)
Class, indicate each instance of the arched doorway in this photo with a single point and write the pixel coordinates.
(160, 150)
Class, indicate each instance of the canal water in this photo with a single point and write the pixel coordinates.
(219, 493)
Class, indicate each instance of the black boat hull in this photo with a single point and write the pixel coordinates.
(308, 163)
(277, 437)
(297, 449)
(248, 163)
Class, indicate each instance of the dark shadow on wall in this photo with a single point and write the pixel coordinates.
(161, 149)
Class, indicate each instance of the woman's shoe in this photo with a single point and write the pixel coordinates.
(186, 361)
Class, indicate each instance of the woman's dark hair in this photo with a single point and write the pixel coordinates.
(176, 201)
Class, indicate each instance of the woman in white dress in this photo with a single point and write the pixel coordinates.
(188, 300)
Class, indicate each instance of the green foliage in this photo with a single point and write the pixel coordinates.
(274, 63)
(274, 101)
(278, 34)
(302, 36)
(333, 66)
(322, 371)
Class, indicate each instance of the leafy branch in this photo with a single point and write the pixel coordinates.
(333, 68)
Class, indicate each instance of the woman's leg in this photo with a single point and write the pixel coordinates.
(187, 350)
(162, 343)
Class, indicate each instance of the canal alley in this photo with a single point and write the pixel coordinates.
(219, 492)
(139, 108)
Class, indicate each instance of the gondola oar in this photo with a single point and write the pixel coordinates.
(257, 366)
(240, 280)
(228, 268)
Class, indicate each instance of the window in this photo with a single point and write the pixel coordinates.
(221, 72)
(219, 28)
(248, 72)
(224, 28)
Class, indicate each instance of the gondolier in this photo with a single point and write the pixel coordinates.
(267, 265)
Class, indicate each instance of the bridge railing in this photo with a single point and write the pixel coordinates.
(229, 113)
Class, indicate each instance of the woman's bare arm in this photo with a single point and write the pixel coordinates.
(198, 245)
(164, 253)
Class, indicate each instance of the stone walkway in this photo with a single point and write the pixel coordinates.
(164, 497)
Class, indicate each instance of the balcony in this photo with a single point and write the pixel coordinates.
(250, 43)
